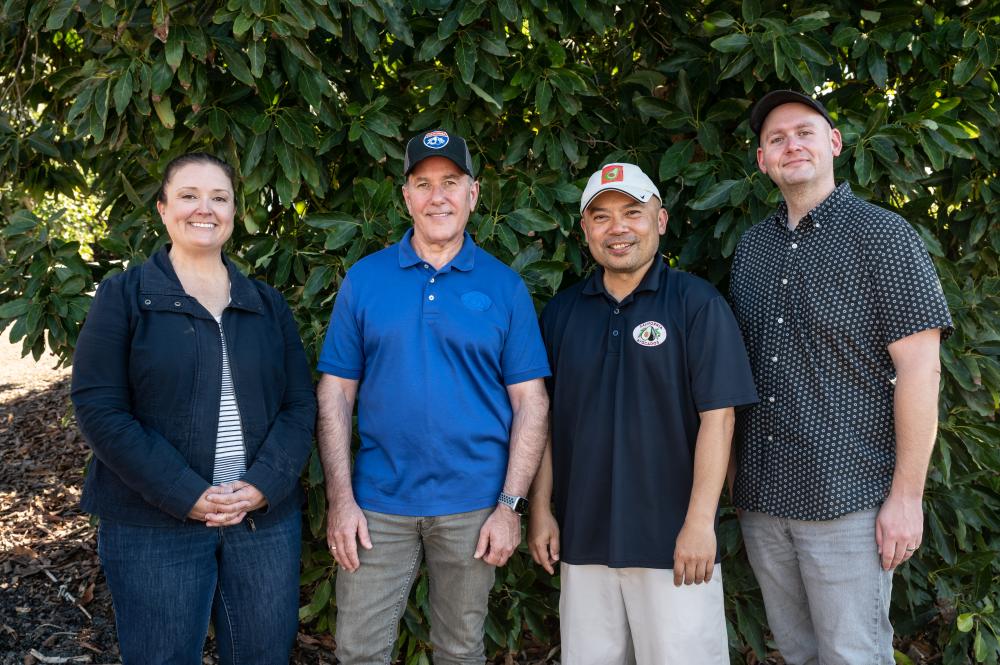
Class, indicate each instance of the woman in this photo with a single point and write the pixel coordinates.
(192, 388)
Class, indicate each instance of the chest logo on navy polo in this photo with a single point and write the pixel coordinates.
(650, 333)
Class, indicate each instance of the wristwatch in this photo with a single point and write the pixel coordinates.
(516, 503)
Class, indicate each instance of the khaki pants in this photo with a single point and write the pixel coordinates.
(372, 599)
(636, 616)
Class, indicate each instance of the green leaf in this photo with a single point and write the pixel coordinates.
(340, 227)
(878, 68)
(652, 107)
(58, 15)
(123, 91)
(714, 196)
(257, 53)
(302, 16)
(14, 308)
(465, 58)
(164, 112)
(470, 12)
(482, 94)
(731, 43)
(965, 69)
(870, 15)
(236, 64)
(494, 44)
(243, 24)
(174, 51)
(130, 191)
(863, 163)
(720, 19)
(675, 159)
(508, 8)
(528, 221)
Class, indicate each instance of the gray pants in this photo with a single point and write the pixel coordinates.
(825, 593)
(371, 600)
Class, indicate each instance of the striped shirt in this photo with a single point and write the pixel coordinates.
(230, 455)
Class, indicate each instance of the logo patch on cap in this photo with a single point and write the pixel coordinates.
(650, 333)
(436, 139)
(612, 173)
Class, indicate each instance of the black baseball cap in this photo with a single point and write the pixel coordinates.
(776, 98)
(437, 143)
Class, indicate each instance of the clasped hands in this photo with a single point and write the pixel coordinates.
(227, 504)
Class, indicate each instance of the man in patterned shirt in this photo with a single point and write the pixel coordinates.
(842, 314)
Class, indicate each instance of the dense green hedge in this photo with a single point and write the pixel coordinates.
(312, 102)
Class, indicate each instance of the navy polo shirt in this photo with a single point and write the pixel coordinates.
(434, 351)
(628, 381)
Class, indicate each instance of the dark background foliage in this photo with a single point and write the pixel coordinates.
(312, 102)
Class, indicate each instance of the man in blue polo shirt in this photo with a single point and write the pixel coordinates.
(647, 367)
(439, 342)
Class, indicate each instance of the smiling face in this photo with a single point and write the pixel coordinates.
(623, 234)
(797, 147)
(198, 208)
(440, 197)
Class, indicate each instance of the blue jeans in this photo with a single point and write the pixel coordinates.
(825, 593)
(371, 600)
(167, 582)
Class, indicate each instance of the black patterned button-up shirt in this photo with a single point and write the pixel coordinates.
(818, 307)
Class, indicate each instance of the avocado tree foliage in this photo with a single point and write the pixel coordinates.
(312, 101)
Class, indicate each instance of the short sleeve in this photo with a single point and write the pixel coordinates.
(343, 348)
(523, 357)
(717, 359)
(907, 290)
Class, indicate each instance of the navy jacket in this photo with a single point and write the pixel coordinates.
(147, 376)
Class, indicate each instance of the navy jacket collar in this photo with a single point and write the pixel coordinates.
(157, 277)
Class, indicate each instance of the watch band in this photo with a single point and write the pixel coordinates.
(516, 503)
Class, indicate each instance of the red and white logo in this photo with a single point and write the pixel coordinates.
(612, 173)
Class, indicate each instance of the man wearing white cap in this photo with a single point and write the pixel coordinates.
(647, 367)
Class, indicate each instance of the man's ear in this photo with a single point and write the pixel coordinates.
(836, 141)
(473, 194)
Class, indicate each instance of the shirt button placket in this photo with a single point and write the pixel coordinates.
(615, 341)
(430, 294)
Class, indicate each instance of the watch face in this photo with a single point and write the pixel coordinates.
(520, 506)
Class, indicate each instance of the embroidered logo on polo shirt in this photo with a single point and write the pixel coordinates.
(649, 333)
(612, 173)
(476, 301)
(436, 139)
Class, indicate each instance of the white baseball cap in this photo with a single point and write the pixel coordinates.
(625, 178)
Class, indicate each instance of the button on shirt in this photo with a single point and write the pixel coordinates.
(628, 381)
(818, 307)
(434, 351)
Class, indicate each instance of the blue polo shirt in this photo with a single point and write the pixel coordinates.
(434, 351)
(628, 381)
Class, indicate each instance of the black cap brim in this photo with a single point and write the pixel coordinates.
(776, 98)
